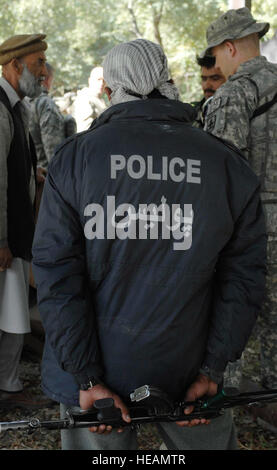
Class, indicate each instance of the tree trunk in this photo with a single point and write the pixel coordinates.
(137, 31)
(157, 16)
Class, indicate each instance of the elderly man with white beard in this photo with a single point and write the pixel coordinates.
(23, 69)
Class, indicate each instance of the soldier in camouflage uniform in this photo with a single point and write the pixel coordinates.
(244, 111)
(211, 79)
(48, 126)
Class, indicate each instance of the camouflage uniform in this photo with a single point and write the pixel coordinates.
(48, 127)
(200, 112)
(231, 115)
(198, 108)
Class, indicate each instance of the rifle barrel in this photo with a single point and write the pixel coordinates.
(33, 424)
(208, 409)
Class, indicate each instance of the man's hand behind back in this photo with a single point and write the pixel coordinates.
(200, 387)
(88, 397)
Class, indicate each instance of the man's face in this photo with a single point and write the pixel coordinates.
(211, 79)
(33, 73)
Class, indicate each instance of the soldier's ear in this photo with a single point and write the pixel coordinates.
(231, 48)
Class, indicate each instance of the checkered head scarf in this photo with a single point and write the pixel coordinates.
(134, 69)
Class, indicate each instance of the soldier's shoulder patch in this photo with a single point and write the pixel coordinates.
(215, 116)
(217, 102)
(210, 123)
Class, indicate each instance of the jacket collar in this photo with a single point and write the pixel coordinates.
(252, 65)
(10, 91)
(149, 110)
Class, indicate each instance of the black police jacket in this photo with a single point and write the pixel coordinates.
(149, 253)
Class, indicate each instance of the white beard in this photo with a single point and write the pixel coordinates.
(29, 85)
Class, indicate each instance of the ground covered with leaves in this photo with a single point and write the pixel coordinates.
(251, 436)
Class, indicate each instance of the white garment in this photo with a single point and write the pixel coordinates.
(86, 108)
(14, 298)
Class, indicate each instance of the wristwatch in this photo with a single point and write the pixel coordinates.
(92, 381)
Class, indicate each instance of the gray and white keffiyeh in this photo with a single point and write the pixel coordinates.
(132, 70)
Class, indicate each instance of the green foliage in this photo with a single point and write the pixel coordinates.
(266, 11)
(80, 32)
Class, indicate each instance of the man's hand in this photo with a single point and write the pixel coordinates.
(5, 258)
(88, 397)
(202, 386)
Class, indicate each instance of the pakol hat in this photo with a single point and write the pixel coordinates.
(20, 45)
(234, 24)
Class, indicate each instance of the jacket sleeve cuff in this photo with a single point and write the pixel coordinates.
(215, 362)
(213, 367)
(214, 375)
(94, 371)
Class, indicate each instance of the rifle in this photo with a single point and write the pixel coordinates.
(147, 405)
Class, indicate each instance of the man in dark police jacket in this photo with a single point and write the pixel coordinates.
(149, 257)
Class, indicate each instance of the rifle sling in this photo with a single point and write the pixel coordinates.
(265, 107)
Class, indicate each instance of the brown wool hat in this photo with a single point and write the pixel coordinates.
(20, 45)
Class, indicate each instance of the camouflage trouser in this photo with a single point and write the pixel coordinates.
(266, 327)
